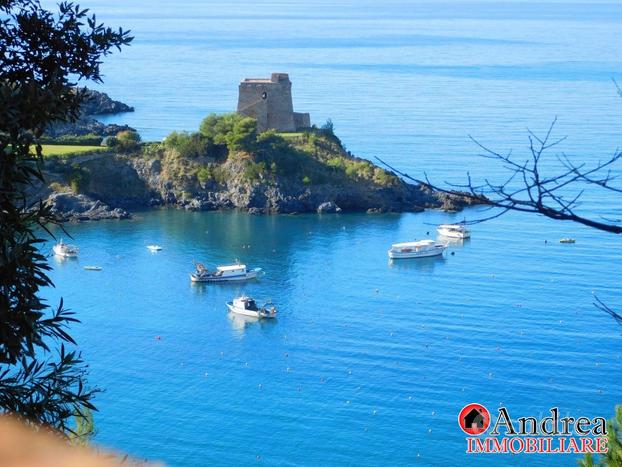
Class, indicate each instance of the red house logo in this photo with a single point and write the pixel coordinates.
(474, 419)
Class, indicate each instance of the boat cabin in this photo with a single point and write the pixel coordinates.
(413, 246)
(246, 303)
(229, 271)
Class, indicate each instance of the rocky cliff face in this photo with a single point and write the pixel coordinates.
(160, 177)
(75, 207)
(290, 195)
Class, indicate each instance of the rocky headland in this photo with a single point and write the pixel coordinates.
(96, 103)
(227, 165)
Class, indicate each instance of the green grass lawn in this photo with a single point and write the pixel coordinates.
(50, 150)
(296, 134)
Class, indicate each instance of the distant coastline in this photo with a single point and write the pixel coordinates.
(95, 104)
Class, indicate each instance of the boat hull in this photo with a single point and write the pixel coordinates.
(251, 313)
(437, 251)
(64, 254)
(252, 274)
(453, 233)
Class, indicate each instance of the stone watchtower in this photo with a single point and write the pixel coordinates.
(269, 101)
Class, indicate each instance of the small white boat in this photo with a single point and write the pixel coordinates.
(567, 240)
(65, 250)
(154, 247)
(419, 249)
(234, 272)
(92, 268)
(248, 307)
(454, 230)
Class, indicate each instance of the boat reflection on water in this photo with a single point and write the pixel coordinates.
(203, 287)
(240, 322)
(454, 241)
(64, 260)
(200, 288)
(421, 264)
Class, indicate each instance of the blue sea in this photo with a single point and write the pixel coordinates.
(368, 363)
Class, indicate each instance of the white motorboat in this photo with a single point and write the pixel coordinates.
(248, 307)
(65, 250)
(154, 247)
(234, 272)
(454, 230)
(92, 268)
(418, 249)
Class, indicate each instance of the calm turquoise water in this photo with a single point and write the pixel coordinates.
(368, 363)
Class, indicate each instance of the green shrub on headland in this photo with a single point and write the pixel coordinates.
(254, 171)
(314, 156)
(236, 132)
(204, 174)
(187, 145)
(79, 178)
(128, 140)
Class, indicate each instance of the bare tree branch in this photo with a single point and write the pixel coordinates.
(603, 307)
(528, 189)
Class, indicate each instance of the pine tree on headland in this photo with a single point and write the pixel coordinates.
(43, 55)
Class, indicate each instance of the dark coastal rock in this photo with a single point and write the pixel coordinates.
(99, 103)
(169, 198)
(86, 126)
(195, 204)
(128, 181)
(288, 205)
(73, 207)
(328, 207)
(452, 202)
